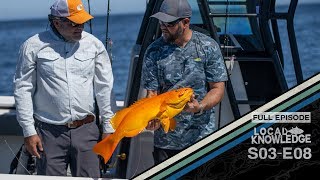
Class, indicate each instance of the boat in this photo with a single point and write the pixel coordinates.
(248, 34)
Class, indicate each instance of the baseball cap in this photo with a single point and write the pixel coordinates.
(71, 9)
(172, 10)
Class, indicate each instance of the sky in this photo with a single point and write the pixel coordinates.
(28, 9)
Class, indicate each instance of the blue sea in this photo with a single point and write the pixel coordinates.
(123, 30)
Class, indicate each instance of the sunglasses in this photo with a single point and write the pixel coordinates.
(63, 19)
(170, 24)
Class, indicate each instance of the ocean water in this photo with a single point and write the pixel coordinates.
(123, 30)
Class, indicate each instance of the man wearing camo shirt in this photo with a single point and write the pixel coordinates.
(183, 58)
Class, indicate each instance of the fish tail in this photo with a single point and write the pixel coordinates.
(106, 147)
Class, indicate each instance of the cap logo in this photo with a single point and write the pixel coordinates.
(79, 7)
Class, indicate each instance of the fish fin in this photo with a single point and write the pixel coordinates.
(106, 147)
(162, 110)
(118, 117)
(165, 122)
(173, 124)
(168, 124)
(140, 101)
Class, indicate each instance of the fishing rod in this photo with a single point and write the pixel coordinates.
(104, 167)
(107, 23)
(108, 40)
(90, 24)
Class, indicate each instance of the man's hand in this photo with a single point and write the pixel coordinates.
(33, 144)
(193, 105)
(153, 125)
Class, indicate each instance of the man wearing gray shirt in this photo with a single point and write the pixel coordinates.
(182, 57)
(59, 74)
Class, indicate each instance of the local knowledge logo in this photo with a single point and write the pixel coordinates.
(280, 135)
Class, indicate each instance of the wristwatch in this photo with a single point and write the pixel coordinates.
(201, 109)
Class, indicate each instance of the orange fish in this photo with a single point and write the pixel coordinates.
(130, 121)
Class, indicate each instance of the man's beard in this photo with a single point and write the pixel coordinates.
(172, 37)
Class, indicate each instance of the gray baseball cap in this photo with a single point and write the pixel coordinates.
(172, 10)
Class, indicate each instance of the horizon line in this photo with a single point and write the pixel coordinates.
(115, 13)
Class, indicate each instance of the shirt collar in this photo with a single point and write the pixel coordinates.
(55, 36)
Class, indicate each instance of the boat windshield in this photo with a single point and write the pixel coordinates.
(235, 25)
(234, 20)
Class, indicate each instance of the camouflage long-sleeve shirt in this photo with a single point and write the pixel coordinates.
(167, 66)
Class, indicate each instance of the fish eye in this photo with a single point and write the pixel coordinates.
(181, 94)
